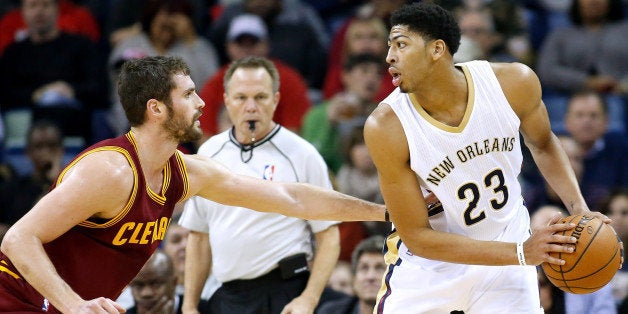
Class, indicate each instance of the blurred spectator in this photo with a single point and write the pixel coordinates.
(297, 35)
(124, 18)
(605, 158)
(368, 266)
(363, 35)
(371, 9)
(153, 288)
(59, 76)
(174, 245)
(73, 18)
(510, 22)
(479, 26)
(341, 278)
(591, 53)
(325, 124)
(334, 12)
(45, 151)
(166, 29)
(358, 177)
(468, 50)
(499, 26)
(541, 194)
(616, 208)
(543, 214)
(247, 36)
(543, 16)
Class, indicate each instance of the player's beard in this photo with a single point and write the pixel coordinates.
(180, 130)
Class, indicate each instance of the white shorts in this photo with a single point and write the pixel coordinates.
(407, 287)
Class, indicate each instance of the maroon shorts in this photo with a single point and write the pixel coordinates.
(17, 296)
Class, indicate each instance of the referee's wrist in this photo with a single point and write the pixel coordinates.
(386, 215)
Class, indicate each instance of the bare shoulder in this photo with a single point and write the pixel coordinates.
(384, 134)
(520, 84)
(382, 119)
(98, 184)
(109, 168)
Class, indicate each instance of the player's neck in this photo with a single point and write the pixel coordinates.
(153, 149)
(445, 90)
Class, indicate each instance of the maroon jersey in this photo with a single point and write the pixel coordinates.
(100, 257)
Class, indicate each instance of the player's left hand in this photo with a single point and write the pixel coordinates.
(599, 215)
(300, 305)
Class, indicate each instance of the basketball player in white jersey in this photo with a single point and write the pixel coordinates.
(454, 130)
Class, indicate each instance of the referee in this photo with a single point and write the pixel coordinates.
(262, 260)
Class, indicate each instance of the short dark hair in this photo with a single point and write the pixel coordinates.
(252, 62)
(151, 8)
(372, 244)
(42, 124)
(361, 58)
(586, 93)
(147, 78)
(430, 21)
(614, 13)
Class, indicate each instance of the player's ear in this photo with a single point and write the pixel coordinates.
(438, 49)
(155, 107)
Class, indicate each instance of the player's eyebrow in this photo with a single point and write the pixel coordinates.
(397, 37)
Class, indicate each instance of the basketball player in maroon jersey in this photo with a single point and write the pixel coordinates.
(83, 242)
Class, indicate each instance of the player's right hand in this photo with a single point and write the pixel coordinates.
(547, 239)
(100, 305)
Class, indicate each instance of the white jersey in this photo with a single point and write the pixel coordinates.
(246, 244)
(471, 168)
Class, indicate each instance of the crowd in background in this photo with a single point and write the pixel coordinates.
(59, 61)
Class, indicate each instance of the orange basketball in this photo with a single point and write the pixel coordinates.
(593, 263)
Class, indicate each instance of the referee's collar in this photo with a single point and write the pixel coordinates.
(248, 147)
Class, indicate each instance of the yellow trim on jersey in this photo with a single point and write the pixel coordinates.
(158, 198)
(184, 175)
(129, 203)
(6, 270)
(467, 113)
(391, 258)
(161, 198)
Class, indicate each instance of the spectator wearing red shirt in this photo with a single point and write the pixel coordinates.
(72, 19)
(363, 35)
(248, 36)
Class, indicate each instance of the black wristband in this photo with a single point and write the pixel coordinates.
(386, 216)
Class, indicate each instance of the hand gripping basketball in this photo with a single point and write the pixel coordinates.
(596, 258)
(547, 240)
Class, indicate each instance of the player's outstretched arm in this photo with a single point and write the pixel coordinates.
(388, 147)
(211, 180)
(83, 193)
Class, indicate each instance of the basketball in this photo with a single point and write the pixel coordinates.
(594, 261)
